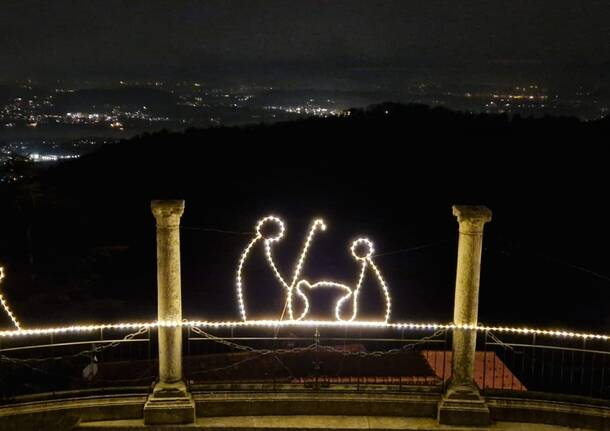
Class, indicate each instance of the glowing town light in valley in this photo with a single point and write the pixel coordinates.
(269, 237)
(5, 304)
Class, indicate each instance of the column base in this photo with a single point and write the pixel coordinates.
(463, 405)
(169, 404)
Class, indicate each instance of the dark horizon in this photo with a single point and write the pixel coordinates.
(400, 195)
(213, 40)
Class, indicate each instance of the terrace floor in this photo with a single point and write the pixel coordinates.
(314, 423)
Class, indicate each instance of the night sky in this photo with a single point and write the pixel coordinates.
(550, 228)
(110, 38)
(377, 116)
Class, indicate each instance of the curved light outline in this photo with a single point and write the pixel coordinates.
(239, 283)
(5, 304)
(297, 285)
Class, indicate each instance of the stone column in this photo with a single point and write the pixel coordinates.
(462, 404)
(170, 402)
(169, 294)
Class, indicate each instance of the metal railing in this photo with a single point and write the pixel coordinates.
(59, 362)
(565, 366)
(308, 358)
(314, 356)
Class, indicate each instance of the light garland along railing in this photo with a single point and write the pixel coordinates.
(296, 324)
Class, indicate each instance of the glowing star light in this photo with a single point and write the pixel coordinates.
(5, 304)
(270, 230)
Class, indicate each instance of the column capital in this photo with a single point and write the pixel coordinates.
(167, 212)
(472, 218)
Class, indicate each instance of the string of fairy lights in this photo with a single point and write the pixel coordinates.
(5, 305)
(21, 332)
(270, 230)
(313, 324)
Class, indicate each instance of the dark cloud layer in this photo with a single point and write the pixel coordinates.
(75, 37)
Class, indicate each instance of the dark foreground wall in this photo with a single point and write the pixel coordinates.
(392, 409)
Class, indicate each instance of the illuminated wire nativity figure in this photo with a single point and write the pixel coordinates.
(270, 230)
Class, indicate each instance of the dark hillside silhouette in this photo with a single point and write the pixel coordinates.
(79, 240)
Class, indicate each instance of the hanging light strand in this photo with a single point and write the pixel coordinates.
(253, 324)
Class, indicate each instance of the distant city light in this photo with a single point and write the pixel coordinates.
(35, 157)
